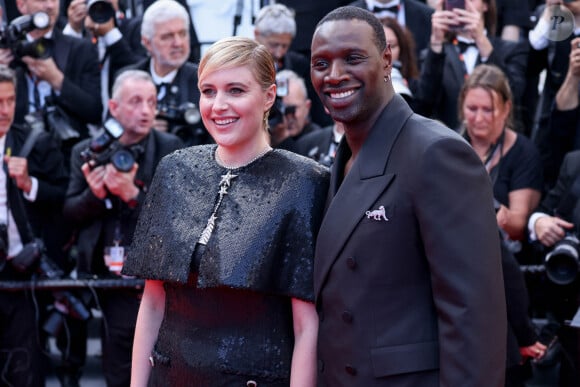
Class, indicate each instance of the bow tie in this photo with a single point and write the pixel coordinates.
(463, 46)
(394, 9)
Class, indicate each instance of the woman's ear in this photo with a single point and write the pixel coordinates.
(270, 97)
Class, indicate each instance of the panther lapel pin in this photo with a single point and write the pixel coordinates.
(377, 214)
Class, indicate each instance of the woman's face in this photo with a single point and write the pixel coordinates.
(392, 39)
(485, 114)
(232, 106)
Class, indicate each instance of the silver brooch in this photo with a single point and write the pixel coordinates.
(377, 214)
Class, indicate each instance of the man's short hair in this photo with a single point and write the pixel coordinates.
(7, 75)
(275, 19)
(356, 13)
(137, 75)
(160, 12)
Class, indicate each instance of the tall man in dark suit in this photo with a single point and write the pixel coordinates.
(165, 35)
(30, 188)
(104, 202)
(404, 296)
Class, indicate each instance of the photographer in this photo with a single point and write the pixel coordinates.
(165, 35)
(563, 201)
(31, 189)
(104, 203)
(61, 85)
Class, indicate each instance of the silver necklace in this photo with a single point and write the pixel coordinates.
(220, 162)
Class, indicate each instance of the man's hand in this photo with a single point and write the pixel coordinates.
(121, 184)
(45, 69)
(534, 351)
(161, 125)
(76, 13)
(95, 179)
(6, 56)
(574, 64)
(550, 229)
(18, 170)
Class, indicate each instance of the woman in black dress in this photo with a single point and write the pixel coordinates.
(226, 241)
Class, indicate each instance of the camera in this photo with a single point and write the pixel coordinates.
(180, 116)
(561, 263)
(32, 258)
(14, 36)
(101, 11)
(278, 110)
(106, 148)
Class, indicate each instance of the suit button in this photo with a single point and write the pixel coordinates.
(351, 263)
(320, 366)
(350, 369)
(347, 317)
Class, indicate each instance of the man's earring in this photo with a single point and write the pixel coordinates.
(387, 78)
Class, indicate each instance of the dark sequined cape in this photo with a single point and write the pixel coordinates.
(265, 231)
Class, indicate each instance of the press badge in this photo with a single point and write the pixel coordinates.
(114, 258)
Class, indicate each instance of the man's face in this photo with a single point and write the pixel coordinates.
(348, 71)
(169, 46)
(299, 106)
(7, 106)
(277, 44)
(134, 108)
(51, 7)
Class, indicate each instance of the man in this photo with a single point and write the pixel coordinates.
(295, 112)
(557, 217)
(104, 202)
(116, 50)
(68, 79)
(404, 296)
(552, 57)
(275, 28)
(165, 35)
(30, 188)
(563, 127)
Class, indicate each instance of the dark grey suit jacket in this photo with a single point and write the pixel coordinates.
(418, 299)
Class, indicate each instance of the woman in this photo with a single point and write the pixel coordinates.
(405, 73)
(226, 242)
(511, 159)
(513, 163)
(461, 39)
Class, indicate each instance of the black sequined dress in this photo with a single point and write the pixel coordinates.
(228, 316)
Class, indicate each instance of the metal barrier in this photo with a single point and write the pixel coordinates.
(66, 283)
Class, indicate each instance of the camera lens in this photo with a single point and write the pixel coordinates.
(101, 11)
(123, 160)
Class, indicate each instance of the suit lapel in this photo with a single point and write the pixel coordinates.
(366, 180)
(457, 66)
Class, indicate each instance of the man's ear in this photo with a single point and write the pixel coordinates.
(146, 43)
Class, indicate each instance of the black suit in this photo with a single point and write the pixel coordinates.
(442, 76)
(20, 352)
(562, 300)
(405, 299)
(80, 96)
(96, 224)
(316, 145)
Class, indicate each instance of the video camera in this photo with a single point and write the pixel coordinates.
(106, 148)
(14, 36)
(32, 258)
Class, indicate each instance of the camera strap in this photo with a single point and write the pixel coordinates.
(30, 141)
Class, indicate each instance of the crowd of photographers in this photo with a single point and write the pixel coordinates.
(93, 94)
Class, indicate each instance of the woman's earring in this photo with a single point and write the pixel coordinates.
(387, 78)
